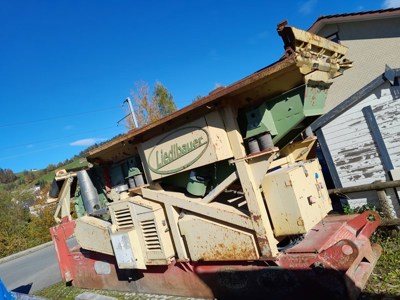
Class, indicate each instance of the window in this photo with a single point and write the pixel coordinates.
(334, 38)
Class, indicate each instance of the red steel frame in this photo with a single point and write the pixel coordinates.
(333, 261)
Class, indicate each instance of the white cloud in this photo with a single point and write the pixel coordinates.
(87, 142)
(307, 7)
(391, 3)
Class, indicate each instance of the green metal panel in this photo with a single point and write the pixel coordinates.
(315, 96)
(287, 112)
(78, 204)
(277, 115)
(258, 121)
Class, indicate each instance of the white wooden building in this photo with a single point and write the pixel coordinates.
(373, 39)
(360, 133)
(360, 139)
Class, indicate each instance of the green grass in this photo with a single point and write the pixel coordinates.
(79, 163)
(76, 164)
(385, 279)
(47, 177)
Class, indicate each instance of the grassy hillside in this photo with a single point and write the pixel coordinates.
(28, 179)
(76, 164)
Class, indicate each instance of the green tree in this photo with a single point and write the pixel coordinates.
(149, 108)
(197, 98)
(29, 176)
(38, 227)
(51, 167)
(163, 101)
(14, 217)
(7, 176)
(19, 229)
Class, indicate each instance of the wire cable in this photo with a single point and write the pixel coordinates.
(56, 118)
(55, 139)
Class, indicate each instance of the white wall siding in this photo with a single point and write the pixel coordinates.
(372, 44)
(359, 199)
(354, 151)
(388, 117)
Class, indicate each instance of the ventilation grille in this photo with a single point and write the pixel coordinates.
(150, 235)
(123, 218)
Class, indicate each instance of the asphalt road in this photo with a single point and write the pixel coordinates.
(32, 271)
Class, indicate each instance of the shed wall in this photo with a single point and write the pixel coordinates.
(372, 44)
(353, 149)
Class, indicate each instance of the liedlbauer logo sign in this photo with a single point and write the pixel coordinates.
(178, 150)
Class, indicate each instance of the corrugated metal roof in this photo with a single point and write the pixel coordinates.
(370, 12)
(354, 16)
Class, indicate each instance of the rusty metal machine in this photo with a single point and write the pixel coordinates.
(223, 198)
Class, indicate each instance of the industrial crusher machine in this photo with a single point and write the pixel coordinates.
(223, 198)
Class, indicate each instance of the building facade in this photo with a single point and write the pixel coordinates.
(373, 39)
(359, 136)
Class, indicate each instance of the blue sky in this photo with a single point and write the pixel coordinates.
(67, 66)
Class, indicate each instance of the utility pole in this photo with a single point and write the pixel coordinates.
(132, 114)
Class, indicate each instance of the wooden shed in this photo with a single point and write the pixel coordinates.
(360, 140)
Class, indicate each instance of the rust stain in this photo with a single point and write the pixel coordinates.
(256, 218)
(300, 221)
(237, 251)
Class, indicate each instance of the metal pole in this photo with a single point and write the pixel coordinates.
(132, 112)
(367, 187)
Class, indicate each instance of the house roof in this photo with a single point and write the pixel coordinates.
(388, 75)
(353, 17)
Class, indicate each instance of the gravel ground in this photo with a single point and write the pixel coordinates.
(60, 291)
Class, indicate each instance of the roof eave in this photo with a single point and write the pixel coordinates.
(363, 16)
